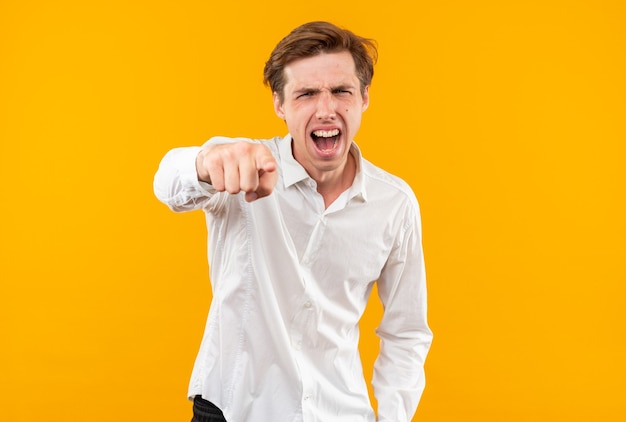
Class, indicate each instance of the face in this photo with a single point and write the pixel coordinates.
(322, 106)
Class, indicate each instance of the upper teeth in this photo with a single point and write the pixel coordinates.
(326, 133)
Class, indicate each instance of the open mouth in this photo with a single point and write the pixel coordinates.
(326, 140)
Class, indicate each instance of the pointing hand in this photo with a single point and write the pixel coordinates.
(237, 167)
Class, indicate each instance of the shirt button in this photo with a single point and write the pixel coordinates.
(308, 305)
(307, 397)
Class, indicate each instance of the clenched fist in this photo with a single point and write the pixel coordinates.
(237, 167)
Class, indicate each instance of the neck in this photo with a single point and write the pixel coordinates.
(331, 188)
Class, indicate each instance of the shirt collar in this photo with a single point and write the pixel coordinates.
(293, 172)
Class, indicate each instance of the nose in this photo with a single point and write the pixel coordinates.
(325, 106)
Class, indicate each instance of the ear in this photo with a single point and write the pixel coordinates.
(366, 98)
(278, 107)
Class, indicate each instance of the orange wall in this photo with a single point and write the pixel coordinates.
(507, 118)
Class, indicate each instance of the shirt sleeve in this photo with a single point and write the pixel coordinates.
(176, 182)
(405, 337)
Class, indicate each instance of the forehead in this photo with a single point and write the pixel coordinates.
(324, 69)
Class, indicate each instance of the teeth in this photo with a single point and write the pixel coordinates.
(326, 133)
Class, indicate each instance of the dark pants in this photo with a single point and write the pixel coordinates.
(205, 411)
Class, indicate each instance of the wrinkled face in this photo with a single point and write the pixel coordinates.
(322, 107)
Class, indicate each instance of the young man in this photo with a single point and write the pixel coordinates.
(300, 228)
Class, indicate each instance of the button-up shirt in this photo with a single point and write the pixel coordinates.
(291, 279)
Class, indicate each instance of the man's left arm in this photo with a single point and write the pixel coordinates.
(399, 378)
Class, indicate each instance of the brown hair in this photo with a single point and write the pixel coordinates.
(314, 38)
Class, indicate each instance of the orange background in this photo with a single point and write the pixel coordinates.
(507, 118)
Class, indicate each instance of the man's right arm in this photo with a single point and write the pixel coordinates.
(176, 181)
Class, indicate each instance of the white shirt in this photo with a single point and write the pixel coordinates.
(290, 282)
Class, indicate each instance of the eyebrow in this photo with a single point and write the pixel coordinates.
(343, 87)
(306, 91)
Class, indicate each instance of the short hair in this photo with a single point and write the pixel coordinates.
(314, 38)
